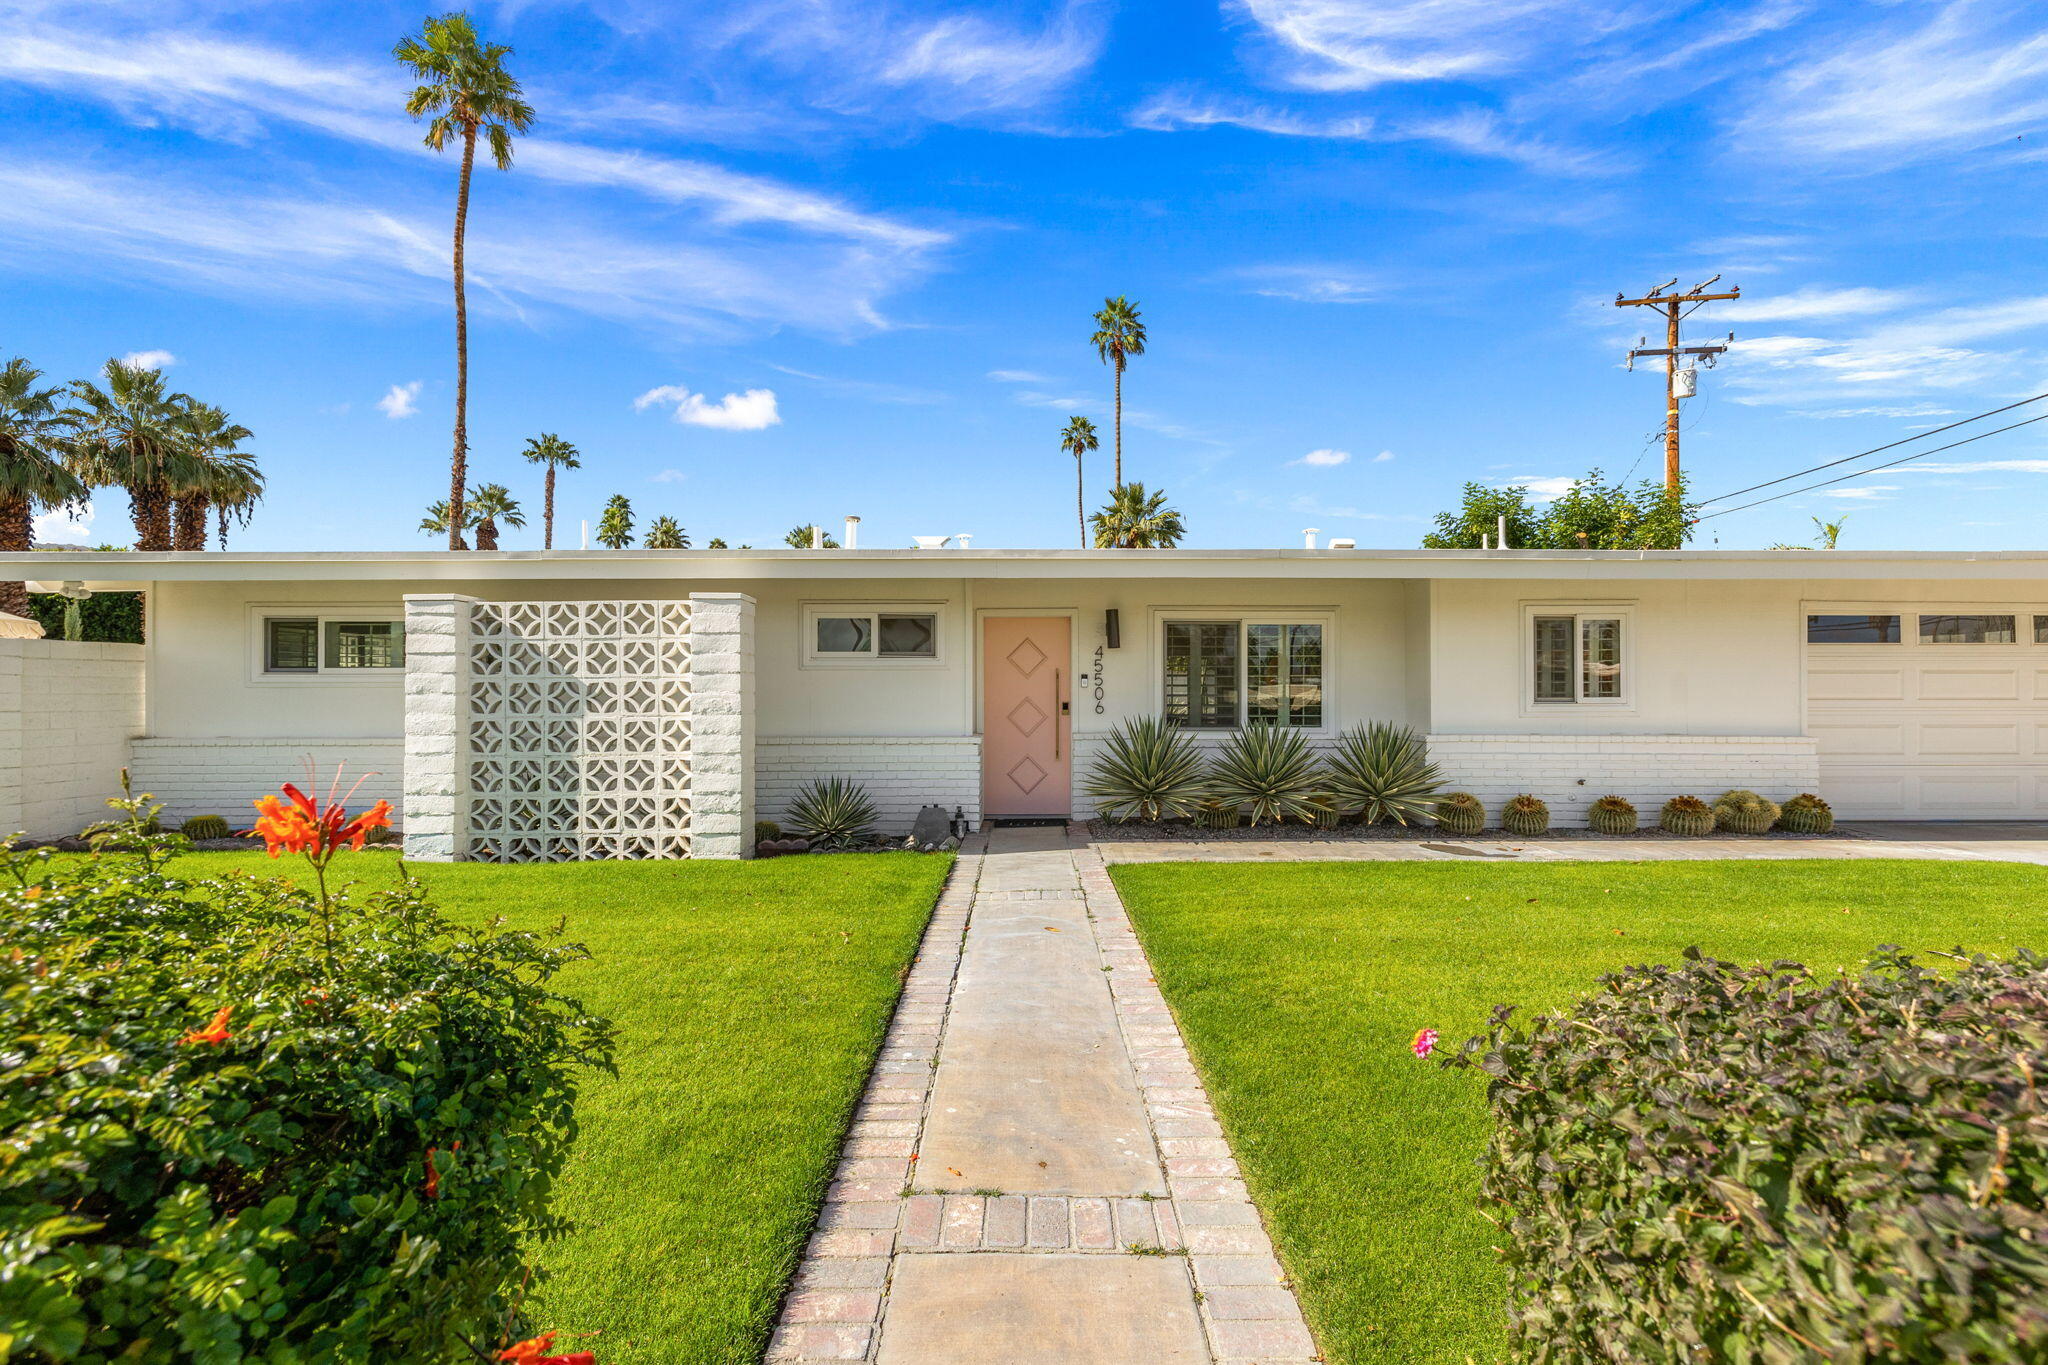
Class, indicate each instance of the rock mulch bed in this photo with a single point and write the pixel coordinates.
(1105, 831)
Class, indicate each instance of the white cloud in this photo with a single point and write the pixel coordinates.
(1383, 457)
(64, 526)
(1542, 488)
(400, 400)
(668, 476)
(1867, 492)
(1323, 459)
(753, 410)
(1912, 410)
(1941, 350)
(1978, 467)
(1358, 44)
(1812, 303)
(1017, 377)
(983, 65)
(150, 360)
(1312, 283)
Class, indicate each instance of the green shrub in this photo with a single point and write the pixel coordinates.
(104, 618)
(1806, 814)
(1744, 812)
(1383, 772)
(833, 813)
(1269, 772)
(1525, 816)
(1460, 813)
(206, 827)
(1713, 1162)
(1688, 816)
(1612, 815)
(241, 1127)
(1149, 769)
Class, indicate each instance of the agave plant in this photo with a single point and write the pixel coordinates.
(1150, 769)
(1383, 771)
(1269, 772)
(833, 813)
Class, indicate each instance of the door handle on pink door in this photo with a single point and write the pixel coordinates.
(1056, 753)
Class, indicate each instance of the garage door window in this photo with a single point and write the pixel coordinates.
(1852, 630)
(2041, 630)
(1967, 630)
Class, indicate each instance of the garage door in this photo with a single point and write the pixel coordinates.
(1935, 715)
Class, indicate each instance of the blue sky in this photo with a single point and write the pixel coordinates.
(772, 263)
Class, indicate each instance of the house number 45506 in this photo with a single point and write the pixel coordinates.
(1098, 679)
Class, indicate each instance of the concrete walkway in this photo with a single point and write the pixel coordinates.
(1036, 1176)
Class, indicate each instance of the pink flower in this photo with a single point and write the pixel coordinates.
(1425, 1042)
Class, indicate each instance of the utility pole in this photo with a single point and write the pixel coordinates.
(1673, 307)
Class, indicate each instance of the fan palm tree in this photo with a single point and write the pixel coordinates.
(464, 90)
(664, 534)
(131, 435)
(214, 471)
(32, 469)
(554, 452)
(799, 538)
(1827, 533)
(1135, 521)
(1077, 440)
(437, 520)
(492, 503)
(1119, 335)
(615, 523)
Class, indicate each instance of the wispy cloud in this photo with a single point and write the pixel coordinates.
(1863, 492)
(400, 400)
(667, 476)
(753, 410)
(1018, 377)
(150, 360)
(1977, 467)
(1812, 303)
(982, 64)
(1383, 457)
(1939, 350)
(1359, 44)
(1312, 283)
(1323, 459)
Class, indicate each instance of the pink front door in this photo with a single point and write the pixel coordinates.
(1026, 750)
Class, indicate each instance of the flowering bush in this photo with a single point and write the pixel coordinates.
(239, 1122)
(1753, 1164)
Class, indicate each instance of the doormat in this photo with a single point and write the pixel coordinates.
(1028, 822)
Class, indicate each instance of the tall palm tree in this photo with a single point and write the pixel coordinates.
(1077, 440)
(131, 434)
(489, 504)
(32, 470)
(437, 520)
(1119, 335)
(464, 90)
(214, 470)
(1134, 521)
(556, 453)
(664, 534)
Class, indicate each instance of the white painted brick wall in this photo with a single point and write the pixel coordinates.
(68, 712)
(901, 773)
(223, 776)
(722, 770)
(1570, 772)
(435, 809)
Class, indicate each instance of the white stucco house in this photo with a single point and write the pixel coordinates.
(599, 703)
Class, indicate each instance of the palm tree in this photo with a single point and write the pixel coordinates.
(1826, 533)
(556, 453)
(615, 525)
(664, 534)
(437, 520)
(131, 434)
(799, 538)
(1119, 335)
(214, 469)
(464, 90)
(236, 491)
(489, 504)
(1077, 440)
(32, 470)
(1134, 521)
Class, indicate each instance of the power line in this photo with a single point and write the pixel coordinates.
(1889, 464)
(1875, 450)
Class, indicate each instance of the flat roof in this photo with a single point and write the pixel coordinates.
(112, 569)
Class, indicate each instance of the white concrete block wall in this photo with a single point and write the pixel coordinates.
(901, 773)
(1570, 772)
(722, 777)
(224, 776)
(68, 713)
(435, 815)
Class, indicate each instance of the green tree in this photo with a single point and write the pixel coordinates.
(664, 534)
(489, 504)
(554, 452)
(464, 90)
(615, 524)
(1477, 520)
(1134, 520)
(1077, 440)
(130, 434)
(32, 469)
(1591, 514)
(1828, 533)
(215, 472)
(1119, 335)
(716, 543)
(436, 521)
(799, 538)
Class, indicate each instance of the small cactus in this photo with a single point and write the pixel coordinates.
(1216, 815)
(1460, 813)
(1324, 812)
(1806, 814)
(1525, 817)
(206, 827)
(1612, 815)
(1744, 812)
(766, 829)
(1688, 816)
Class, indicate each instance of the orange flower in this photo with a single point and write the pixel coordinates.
(31, 892)
(304, 824)
(434, 1182)
(530, 1351)
(215, 1032)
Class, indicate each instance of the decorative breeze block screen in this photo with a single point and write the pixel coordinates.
(579, 730)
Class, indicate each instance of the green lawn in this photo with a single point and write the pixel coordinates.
(750, 998)
(1299, 988)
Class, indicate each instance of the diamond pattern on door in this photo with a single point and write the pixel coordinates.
(1027, 716)
(1027, 775)
(1026, 754)
(1026, 657)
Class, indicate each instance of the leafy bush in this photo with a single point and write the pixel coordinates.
(1762, 1164)
(1384, 773)
(1460, 813)
(1525, 816)
(1612, 815)
(1269, 772)
(833, 813)
(246, 1122)
(1150, 769)
(206, 827)
(1806, 814)
(1744, 812)
(1687, 815)
(114, 618)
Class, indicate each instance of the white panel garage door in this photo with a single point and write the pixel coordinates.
(1934, 715)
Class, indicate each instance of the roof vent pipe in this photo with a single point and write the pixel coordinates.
(1308, 537)
(961, 539)
(1503, 537)
(853, 533)
(817, 537)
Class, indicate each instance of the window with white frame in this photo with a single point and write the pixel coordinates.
(332, 644)
(1578, 657)
(862, 634)
(1219, 675)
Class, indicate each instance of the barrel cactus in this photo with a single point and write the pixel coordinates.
(206, 827)
(1217, 815)
(1687, 815)
(1744, 812)
(1806, 814)
(1525, 816)
(1612, 815)
(1460, 813)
